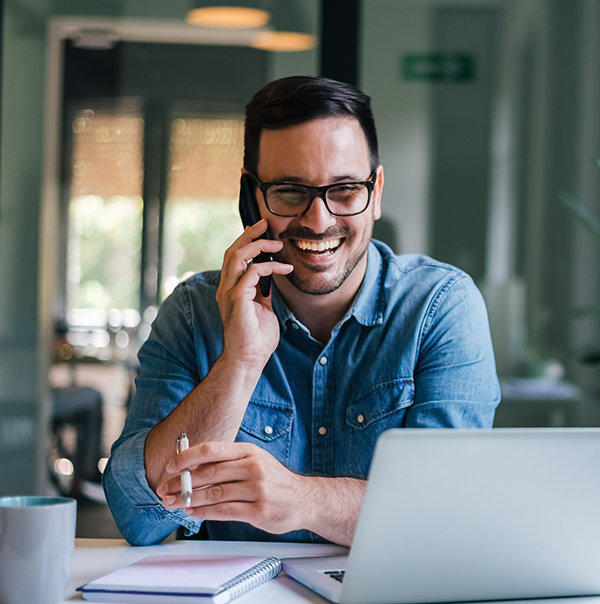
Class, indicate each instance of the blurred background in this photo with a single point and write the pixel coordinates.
(121, 138)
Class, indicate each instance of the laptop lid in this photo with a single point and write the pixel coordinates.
(458, 515)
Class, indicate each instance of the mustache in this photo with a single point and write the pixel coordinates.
(299, 232)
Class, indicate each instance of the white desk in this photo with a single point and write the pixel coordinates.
(94, 558)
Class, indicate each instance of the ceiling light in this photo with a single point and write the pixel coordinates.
(284, 41)
(228, 17)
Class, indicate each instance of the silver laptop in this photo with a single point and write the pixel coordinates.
(463, 515)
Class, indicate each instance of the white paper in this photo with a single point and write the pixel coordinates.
(176, 573)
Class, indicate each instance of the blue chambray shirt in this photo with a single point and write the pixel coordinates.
(413, 351)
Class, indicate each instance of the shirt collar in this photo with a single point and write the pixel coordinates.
(368, 305)
(282, 312)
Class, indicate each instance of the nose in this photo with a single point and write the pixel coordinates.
(318, 218)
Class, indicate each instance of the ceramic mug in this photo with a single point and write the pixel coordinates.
(37, 537)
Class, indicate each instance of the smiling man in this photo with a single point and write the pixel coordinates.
(283, 397)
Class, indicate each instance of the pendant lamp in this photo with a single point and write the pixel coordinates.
(229, 14)
(291, 26)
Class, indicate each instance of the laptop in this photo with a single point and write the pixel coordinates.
(464, 515)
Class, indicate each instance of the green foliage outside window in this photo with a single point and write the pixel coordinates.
(105, 237)
(197, 233)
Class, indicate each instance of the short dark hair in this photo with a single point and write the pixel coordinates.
(298, 99)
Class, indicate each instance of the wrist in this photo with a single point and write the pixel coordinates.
(242, 362)
(312, 502)
(243, 372)
(333, 505)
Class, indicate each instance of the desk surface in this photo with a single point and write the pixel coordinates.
(94, 558)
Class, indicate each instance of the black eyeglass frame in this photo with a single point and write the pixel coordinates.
(314, 192)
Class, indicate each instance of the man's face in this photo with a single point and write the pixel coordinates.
(316, 153)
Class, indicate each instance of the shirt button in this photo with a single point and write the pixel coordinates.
(360, 419)
(322, 430)
(268, 430)
(295, 326)
(323, 360)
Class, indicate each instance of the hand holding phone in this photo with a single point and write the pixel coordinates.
(250, 215)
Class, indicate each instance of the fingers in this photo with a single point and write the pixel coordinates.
(211, 463)
(233, 510)
(243, 255)
(207, 475)
(237, 270)
(235, 262)
(208, 452)
(250, 279)
(251, 235)
(223, 492)
(256, 230)
(237, 481)
(204, 460)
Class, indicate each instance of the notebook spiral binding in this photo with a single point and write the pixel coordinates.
(260, 573)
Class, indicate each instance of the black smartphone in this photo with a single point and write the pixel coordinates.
(250, 215)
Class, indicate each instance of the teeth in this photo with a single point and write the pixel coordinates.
(318, 247)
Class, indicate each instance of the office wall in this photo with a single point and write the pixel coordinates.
(585, 284)
(518, 173)
(391, 28)
(547, 144)
(21, 435)
(542, 265)
(461, 138)
(537, 266)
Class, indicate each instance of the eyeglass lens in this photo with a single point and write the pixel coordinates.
(292, 200)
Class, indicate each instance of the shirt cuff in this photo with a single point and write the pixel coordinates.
(129, 472)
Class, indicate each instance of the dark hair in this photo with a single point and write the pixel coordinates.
(298, 99)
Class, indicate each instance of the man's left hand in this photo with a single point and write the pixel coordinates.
(240, 482)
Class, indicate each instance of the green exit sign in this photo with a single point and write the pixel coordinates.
(444, 68)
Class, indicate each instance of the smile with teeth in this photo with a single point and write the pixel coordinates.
(320, 246)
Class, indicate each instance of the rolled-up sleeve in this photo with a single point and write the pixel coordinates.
(138, 512)
(168, 372)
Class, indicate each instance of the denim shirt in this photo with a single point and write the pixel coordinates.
(414, 350)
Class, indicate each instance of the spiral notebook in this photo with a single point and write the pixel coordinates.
(182, 579)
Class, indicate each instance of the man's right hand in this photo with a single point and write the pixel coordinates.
(213, 410)
(250, 328)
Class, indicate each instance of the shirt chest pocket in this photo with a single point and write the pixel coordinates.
(381, 408)
(268, 426)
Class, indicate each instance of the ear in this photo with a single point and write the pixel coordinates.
(377, 191)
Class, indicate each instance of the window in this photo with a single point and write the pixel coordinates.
(152, 155)
(201, 215)
(105, 212)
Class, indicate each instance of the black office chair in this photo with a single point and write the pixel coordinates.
(80, 408)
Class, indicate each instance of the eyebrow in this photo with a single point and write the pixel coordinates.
(297, 180)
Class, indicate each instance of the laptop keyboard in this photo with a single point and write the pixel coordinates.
(338, 575)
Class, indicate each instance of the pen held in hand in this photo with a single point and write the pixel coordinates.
(183, 444)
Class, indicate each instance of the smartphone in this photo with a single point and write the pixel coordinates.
(250, 215)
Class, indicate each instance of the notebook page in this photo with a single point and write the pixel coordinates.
(176, 573)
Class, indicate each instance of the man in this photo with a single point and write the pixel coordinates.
(283, 397)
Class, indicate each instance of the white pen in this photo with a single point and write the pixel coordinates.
(183, 444)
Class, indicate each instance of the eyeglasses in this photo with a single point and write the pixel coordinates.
(291, 200)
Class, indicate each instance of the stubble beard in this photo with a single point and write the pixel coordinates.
(313, 285)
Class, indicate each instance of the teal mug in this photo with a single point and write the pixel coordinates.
(37, 537)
